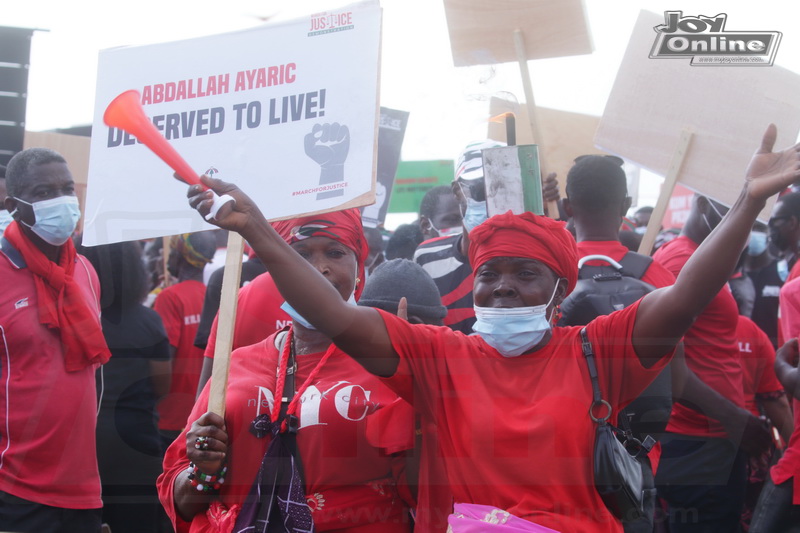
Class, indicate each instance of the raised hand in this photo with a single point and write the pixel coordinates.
(233, 216)
(770, 172)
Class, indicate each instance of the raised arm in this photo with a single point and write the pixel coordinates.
(665, 315)
(359, 331)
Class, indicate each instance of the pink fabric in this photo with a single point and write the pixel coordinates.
(472, 518)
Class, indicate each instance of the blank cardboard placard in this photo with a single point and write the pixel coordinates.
(565, 135)
(481, 32)
(727, 108)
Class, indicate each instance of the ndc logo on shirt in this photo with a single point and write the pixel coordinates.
(325, 22)
(706, 42)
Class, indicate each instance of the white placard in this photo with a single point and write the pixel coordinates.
(286, 111)
(727, 108)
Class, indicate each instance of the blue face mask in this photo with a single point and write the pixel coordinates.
(757, 244)
(475, 215)
(297, 317)
(5, 219)
(513, 331)
(56, 218)
(783, 269)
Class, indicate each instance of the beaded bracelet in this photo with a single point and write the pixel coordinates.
(206, 482)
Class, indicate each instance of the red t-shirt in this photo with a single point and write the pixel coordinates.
(515, 433)
(349, 479)
(258, 314)
(757, 357)
(789, 465)
(656, 275)
(710, 347)
(794, 273)
(180, 306)
(47, 415)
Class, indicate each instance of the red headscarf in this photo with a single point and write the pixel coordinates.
(61, 303)
(342, 226)
(529, 236)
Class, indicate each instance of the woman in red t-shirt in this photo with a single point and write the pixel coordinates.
(511, 403)
(350, 480)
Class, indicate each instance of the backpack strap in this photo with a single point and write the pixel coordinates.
(635, 265)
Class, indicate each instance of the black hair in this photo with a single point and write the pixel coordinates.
(404, 242)
(123, 278)
(21, 165)
(430, 202)
(791, 202)
(596, 183)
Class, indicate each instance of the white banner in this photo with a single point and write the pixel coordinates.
(287, 111)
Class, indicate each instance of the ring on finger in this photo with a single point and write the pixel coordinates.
(201, 443)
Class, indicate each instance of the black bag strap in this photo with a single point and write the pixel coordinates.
(597, 396)
(641, 448)
(635, 265)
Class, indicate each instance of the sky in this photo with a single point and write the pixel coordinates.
(448, 106)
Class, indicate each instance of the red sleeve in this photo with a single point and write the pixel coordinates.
(258, 315)
(169, 308)
(175, 464)
(212, 337)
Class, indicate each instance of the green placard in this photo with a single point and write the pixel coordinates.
(414, 179)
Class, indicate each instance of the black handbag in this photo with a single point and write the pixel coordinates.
(617, 470)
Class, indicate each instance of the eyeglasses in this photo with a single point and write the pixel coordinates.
(773, 221)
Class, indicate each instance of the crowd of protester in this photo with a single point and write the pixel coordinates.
(397, 381)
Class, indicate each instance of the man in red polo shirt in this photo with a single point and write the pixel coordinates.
(52, 344)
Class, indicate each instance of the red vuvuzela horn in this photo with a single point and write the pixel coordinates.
(126, 113)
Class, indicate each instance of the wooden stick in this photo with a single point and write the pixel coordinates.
(226, 321)
(674, 169)
(165, 251)
(530, 103)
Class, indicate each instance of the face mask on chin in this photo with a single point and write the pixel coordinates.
(447, 232)
(56, 218)
(513, 331)
(297, 317)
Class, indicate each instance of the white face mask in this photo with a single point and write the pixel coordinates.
(447, 232)
(5, 219)
(513, 331)
(56, 218)
(475, 213)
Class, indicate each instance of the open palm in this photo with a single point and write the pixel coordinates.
(770, 172)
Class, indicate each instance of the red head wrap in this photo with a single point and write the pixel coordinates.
(529, 236)
(342, 226)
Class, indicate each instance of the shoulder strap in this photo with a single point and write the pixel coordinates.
(588, 353)
(635, 265)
